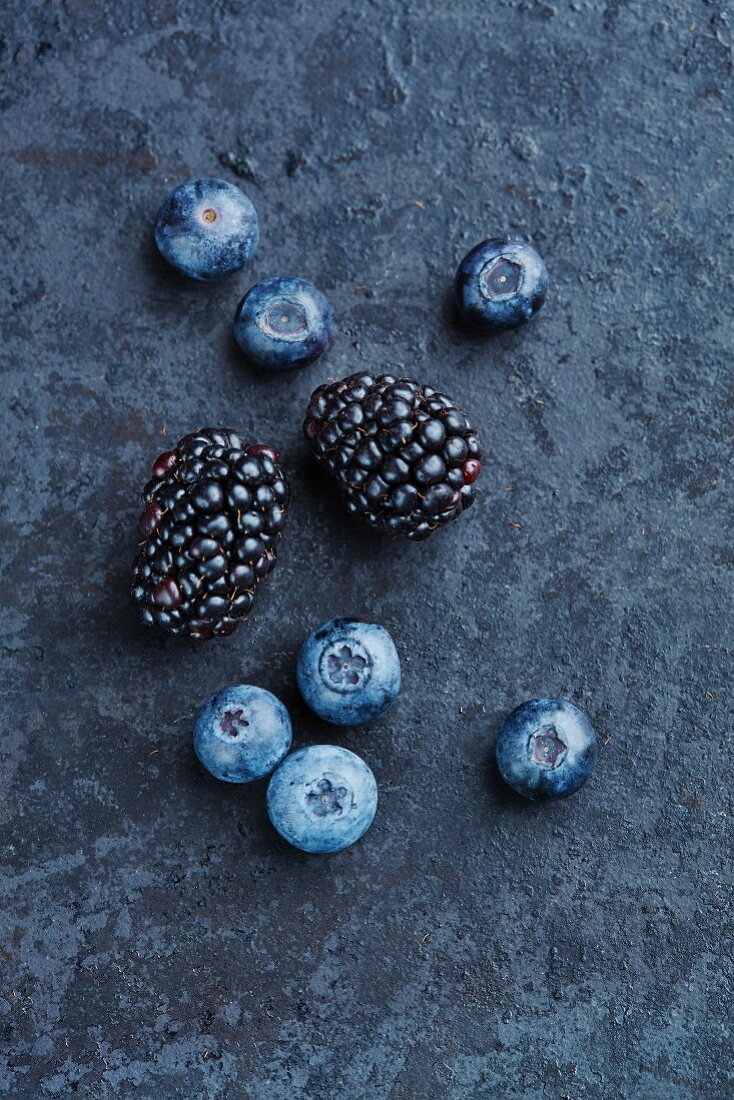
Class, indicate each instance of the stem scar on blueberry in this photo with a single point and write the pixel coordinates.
(209, 215)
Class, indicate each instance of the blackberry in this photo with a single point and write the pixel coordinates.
(214, 510)
(405, 455)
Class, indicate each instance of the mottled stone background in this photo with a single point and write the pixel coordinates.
(158, 940)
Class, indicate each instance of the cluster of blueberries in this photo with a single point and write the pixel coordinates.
(208, 228)
(323, 798)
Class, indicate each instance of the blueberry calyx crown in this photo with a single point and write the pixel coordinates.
(500, 278)
(325, 799)
(345, 665)
(547, 748)
(233, 722)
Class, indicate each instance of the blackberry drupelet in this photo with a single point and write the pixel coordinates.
(405, 455)
(214, 511)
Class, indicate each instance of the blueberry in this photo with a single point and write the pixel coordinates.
(207, 228)
(322, 798)
(500, 284)
(546, 749)
(349, 671)
(283, 323)
(242, 733)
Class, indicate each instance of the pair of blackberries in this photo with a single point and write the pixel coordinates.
(405, 457)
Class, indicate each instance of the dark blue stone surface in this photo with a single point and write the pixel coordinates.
(158, 939)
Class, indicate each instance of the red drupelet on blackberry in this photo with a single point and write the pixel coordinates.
(405, 456)
(214, 511)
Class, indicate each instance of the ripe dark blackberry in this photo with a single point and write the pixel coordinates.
(405, 456)
(214, 511)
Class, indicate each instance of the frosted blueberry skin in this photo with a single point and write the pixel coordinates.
(546, 749)
(207, 228)
(500, 284)
(283, 323)
(242, 733)
(322, 798)
(348, 671)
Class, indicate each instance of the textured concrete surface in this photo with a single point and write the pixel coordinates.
(158, 940)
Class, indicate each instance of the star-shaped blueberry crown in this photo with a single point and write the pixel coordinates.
(326, 799)
(234, 722)
(548, 748)
(345, 666)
